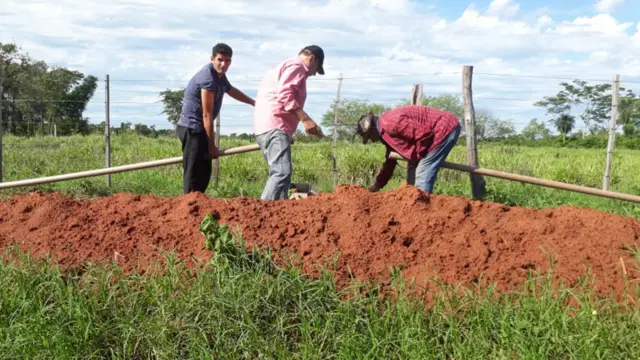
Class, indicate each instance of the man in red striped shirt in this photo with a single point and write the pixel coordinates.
(421, 134)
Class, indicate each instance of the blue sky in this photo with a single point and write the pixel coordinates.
(148, 46)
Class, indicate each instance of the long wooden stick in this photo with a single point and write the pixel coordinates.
(533, 180)
(118, 169)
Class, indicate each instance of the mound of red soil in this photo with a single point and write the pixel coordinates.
(453, 239)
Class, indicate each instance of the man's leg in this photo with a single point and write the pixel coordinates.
(411, 172)
(195, 166)
(428, 167)
(276, 148)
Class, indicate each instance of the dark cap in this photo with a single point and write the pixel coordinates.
(319, 54)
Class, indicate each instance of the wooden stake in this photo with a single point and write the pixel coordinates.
(216, 162)
(335, 133)
(416, 99)
(107, 128)
(478, 189)
(1, 129)
(615, 102)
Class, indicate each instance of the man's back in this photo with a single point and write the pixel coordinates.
(413, 130)
(282, 89)
(205, 78)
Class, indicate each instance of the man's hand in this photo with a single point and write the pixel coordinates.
(312, 128)
(213, 150)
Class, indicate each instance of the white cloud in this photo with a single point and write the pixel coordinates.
(503, 8)
(164, 42)
(606, 6)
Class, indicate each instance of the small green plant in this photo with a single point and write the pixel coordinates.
(230, 251)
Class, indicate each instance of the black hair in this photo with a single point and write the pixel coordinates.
(222, 48)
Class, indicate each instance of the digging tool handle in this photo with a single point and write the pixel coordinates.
(122, 168)
(532, 180)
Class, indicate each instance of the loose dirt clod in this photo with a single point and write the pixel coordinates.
(453, 239)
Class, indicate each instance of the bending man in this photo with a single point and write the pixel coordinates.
(278, 110)
(201, 104)
(421, 134)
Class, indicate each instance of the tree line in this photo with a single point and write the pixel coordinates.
(579, 99)
(39, 99)
(36, 96)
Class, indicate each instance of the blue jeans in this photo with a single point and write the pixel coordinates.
(426, 171)
(276, 149)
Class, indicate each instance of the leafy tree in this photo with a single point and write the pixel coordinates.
(349, 111)
(629, 109)
(144, 130)
(35, 94)
(596, 100)
(446, 102)
(490, 127)
(535, 130)
(172, 102)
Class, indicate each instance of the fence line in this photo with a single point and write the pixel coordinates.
(477, 182)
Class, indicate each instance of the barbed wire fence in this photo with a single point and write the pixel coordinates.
(342, 83)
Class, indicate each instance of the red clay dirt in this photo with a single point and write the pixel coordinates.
(454, 239)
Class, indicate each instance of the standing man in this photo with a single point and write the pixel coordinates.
(201, 104)
(278, 110)
(419, 133)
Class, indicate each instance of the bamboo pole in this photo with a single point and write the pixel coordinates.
(615, 103)
(118, 169)
(335, 133)
(532, 180)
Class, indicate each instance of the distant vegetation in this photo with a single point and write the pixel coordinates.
(38, 97)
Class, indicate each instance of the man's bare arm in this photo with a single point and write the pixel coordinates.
(240, 96)
(207, 119)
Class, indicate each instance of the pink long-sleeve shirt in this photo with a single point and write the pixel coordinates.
(282, 90)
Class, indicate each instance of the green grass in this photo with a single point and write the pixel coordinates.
(245, 174)
(243, 307)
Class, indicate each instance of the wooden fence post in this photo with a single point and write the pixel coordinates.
(615, 102)
(216, 162)
(107, 127)
(335, 133)
(416, 97)
(1, 129)
(478, 189)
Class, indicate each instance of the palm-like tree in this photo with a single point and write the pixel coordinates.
(565, 123)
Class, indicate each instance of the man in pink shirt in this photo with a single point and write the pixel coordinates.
(279, 107)
(421, 134)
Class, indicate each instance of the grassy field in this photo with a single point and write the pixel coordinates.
(245, 174)
(243, 307)
(240, 307)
